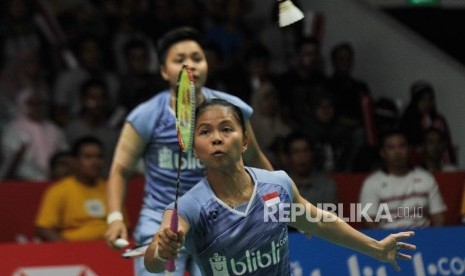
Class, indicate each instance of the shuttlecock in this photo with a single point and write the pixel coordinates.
(288, 13)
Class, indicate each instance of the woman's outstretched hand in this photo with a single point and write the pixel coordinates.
(391, 245)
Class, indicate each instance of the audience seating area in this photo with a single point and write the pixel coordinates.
(19, 201)
(450, 184)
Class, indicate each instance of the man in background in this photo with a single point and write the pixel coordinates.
(402, 196)
(74, 208)
(314, 186)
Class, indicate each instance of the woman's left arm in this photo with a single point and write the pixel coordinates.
(328, 226)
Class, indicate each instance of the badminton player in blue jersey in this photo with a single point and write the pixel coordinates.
(222, 219)
(150, 132)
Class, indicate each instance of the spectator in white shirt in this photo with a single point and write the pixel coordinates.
(401, 196)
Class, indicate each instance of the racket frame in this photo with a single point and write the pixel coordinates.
(184, 144)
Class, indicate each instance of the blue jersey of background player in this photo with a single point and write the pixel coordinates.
(224, 222)
(149, 132)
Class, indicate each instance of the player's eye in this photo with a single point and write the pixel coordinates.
(204, 131)
(179, 59)
(197, 58)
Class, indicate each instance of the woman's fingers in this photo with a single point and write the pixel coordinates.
(403, 235)
(408, 246)
(170, 242)
(395, 265)
(403, 256)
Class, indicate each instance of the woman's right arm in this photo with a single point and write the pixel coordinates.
(128, 151)
(165, 244)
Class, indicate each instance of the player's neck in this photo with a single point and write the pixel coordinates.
(234, 188)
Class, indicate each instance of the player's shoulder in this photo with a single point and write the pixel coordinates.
(267, 181)
(269, 177)
(267, 173)
(191, 204)
(199, 194)
(144, 116)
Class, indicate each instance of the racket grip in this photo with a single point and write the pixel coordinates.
(170, 265)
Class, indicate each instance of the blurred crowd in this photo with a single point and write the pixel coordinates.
(58, 85)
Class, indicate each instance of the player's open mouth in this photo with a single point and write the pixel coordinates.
(218, 153)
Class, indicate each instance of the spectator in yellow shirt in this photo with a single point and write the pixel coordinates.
(74, 208)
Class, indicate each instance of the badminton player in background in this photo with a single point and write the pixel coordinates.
(222, 219)
(150, 132)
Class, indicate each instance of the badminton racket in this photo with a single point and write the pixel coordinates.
(185, 109)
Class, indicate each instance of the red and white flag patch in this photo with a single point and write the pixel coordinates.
(271, 199)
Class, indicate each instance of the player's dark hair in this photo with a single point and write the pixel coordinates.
(215, 102)
(174, 36)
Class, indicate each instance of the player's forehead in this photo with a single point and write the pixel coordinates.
(186, 47)
(216, 113)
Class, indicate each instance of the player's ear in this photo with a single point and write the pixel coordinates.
(164, 72)
(245, 142)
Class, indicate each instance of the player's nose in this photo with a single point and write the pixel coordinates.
(216, 139)
(192, 65)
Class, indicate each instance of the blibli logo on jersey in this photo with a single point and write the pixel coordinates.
(219, 265)
(251, 262)
(168, 159)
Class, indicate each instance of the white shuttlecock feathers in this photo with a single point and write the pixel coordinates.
(288, 13)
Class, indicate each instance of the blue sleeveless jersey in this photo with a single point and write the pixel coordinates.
(155, 122)
(225, 241)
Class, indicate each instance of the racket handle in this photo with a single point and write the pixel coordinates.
(170, 265)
